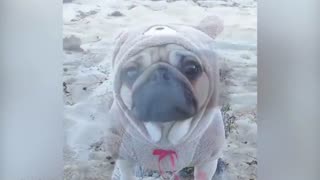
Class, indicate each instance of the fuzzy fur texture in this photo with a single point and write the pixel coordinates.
(204, 141)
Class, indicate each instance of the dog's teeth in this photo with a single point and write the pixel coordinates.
(179, 130)
(154, 131)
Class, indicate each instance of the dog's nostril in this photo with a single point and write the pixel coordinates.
(161, 74)
(165, 76)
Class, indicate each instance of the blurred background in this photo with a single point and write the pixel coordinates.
(89, 30)
(36, 112)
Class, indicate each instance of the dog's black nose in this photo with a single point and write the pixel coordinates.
(160, 74)
(163, 98)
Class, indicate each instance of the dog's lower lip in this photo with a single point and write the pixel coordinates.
(179, 130)
(155, 130)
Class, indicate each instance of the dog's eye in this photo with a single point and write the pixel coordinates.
(130, 74)
(191, 69)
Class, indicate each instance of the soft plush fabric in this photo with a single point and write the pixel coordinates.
(128, 139)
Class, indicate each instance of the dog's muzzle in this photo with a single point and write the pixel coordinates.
(163, 97)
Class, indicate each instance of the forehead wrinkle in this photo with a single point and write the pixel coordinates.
(164, 53)
(135, 60)
(142, 58)
(155, 54)
(148, 54)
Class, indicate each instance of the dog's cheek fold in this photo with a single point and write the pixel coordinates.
(201, 89)
(126, 96)
(125, 80)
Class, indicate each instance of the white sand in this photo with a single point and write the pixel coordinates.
(87, 75)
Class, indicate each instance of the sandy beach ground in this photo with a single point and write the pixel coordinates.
(89, 29)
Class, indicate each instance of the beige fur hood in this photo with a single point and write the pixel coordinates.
(196, 39)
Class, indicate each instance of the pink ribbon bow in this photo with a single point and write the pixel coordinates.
(164, 153)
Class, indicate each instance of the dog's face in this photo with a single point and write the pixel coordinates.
(164, 84)
(166, 80)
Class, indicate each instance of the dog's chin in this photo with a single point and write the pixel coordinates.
(166, 132)
(163, 102)
(170, 132)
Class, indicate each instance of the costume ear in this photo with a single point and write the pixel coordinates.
(211, 25)
(119, 41)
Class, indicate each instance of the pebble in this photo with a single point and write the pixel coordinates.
(116, 14)
(245, 56)
(67, 1)
(72, 43)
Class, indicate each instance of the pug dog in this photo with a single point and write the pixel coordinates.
(165, 113)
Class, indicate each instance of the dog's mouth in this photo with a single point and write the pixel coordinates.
(163, 95)
(163, 113)
(164, 104)
(170, 132)
(166, 114)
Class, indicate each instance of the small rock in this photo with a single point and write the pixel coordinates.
(172, 1)
(83, 15)
(253, 162)
(65, 88)
(211, 4)
(72, 43)
(157, 6)
(116, 14)
(228, 118)
(224, 72)
(245, 56)
(155, 175)
(67, 1)
(96, 155)
(221, 166)
(97, 146)
(132, 6)
(148, 173)
(234, 4)
(220, 171)
(186, 172)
